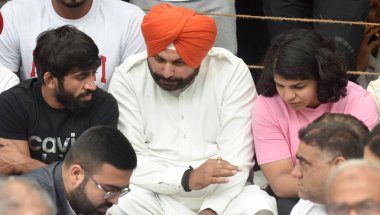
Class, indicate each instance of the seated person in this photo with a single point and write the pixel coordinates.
(354, 188)
(323, 146)
(93, 175)
(303, 78)
(368, 58)
(183, 103)
(41, 117)
(372, 145)
(20, 197)
(7, 79)
(112, 24)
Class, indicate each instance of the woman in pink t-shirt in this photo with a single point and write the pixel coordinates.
(303, 78)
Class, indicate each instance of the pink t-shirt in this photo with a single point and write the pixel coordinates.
(275, 125)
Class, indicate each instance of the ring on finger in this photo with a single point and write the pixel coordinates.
(219, 160)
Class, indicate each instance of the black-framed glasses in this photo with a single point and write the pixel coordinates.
(108, 194)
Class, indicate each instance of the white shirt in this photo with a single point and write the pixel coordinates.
(171, 131)
(7, 79)
(113, 25)
(306, 207)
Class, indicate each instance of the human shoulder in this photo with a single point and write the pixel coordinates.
(24, 6)
(225, 67)
(133, 62)
(223, 55)
(8, 79)
(355, 91)
(306, 207)
(274, 102)
(44, 175)
(121, 9)
(101, 97)
(23, 91)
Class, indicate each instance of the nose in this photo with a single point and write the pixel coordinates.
(296, 173)
(168, 70)
(90, 85)
(114, 200)
(289, 95)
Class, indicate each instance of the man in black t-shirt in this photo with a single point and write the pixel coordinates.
(41, 118)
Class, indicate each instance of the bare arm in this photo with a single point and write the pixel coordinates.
(15, 157)
(278, 175)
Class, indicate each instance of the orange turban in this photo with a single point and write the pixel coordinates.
(192, 35)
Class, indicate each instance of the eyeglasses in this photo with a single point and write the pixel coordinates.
(364, 208)
(108, 194)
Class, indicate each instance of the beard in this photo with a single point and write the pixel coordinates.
(172, 84)
(72, 3)
(82, 204)
(70, 101)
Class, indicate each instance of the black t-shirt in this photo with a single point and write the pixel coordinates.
(24, 115)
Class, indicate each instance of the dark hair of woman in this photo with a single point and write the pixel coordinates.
(304, 55)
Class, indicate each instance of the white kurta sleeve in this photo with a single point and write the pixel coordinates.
(10, 55)
(235, 139)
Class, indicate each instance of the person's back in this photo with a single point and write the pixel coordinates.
(112, 24)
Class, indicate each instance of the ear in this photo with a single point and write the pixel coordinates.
(49, 80)
(338, 160)
(76, 174)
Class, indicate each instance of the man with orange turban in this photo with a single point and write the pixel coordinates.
(185, 107)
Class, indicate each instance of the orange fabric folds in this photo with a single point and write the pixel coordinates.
(192, 35)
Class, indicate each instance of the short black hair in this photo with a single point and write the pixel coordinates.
(334, 138)
(304, 55)
(100, 145)
(63, 49)
(373, 140)
(356, 124)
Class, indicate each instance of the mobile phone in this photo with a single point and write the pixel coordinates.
(374, 37)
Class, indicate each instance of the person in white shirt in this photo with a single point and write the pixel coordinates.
(113, 25)
(185, 107)
(7, 78)
(326, 143)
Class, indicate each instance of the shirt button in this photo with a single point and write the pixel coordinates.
(182, 117)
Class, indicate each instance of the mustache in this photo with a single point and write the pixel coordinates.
(171, 79)
(106, 204)
(84, 94)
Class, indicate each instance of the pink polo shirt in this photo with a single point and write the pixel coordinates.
(275, 125)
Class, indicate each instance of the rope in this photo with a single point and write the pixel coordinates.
(259, 67)
(289, 19)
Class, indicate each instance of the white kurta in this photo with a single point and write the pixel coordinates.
(306, 207)
(171, 131)
(7, 78)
